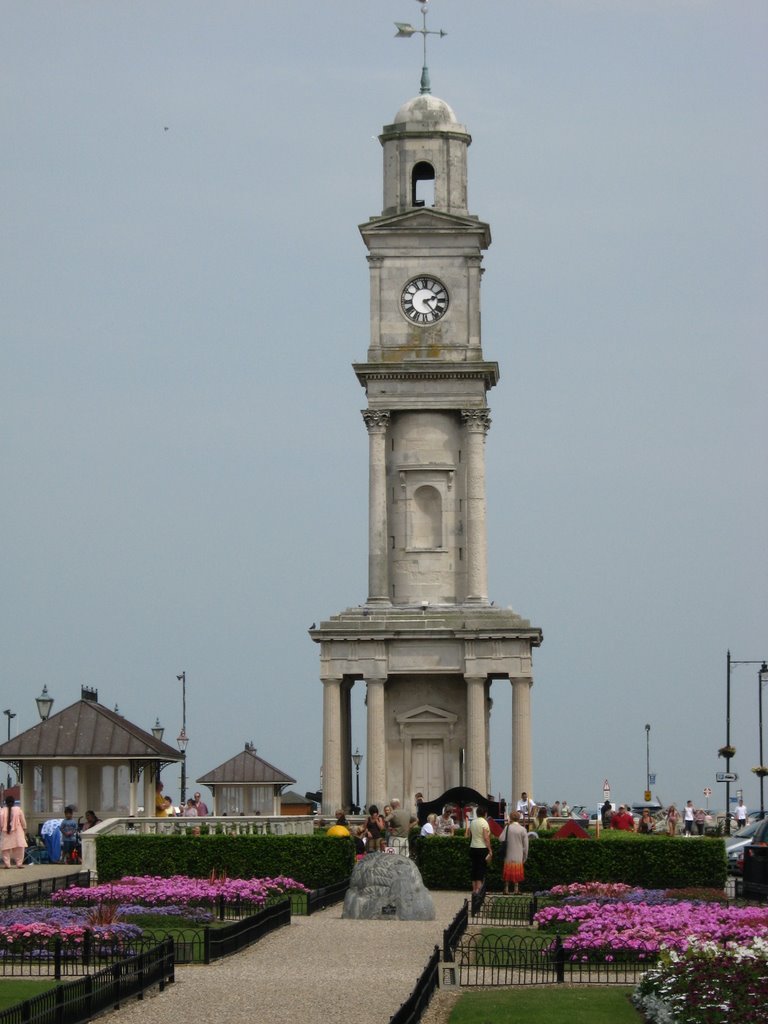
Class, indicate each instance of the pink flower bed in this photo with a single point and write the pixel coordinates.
(642, 927)
(153, 891)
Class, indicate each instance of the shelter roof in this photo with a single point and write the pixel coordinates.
(86, 729)
(246, 768)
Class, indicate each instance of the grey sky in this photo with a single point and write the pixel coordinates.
(183, 289)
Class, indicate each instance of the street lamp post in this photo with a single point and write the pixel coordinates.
(762, 679)
(647, 762)
(182, 739)
(357, 757)
(728, 751)
(9, 715)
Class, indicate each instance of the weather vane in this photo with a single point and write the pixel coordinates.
(405, 31)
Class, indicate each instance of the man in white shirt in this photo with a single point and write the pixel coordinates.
(525, 808)
(741, 813)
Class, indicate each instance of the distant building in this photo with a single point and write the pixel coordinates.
(89, 757)
(247, 784)
(295, 803)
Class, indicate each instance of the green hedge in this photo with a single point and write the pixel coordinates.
(315, 861)
(653, 862)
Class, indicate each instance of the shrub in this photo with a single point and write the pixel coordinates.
(315, 861)
(653, 862)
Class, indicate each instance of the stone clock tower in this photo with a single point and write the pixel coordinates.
(427, 642)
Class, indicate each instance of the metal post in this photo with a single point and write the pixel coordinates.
(182, 739)
(728, 743)
(357, 757)
(762, 679)
(9, 715)
(648, 761)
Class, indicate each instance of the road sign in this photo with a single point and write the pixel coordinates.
(707, 791)
(726, 776)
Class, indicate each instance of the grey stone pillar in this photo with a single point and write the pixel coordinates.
(377, 422)
(345, 697)
(332, 745)
(477, 422)
(476, 777)
(522, 768)
(376, 773)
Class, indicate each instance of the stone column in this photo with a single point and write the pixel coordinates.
(522, 769)
(476, 777)
(477, 422)
(332, 750)
(376, 772)
(347, 794)
(377, 422)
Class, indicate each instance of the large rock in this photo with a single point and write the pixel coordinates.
(386, 885)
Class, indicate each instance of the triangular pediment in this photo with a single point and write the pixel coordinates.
(427, 713)
(423, 219)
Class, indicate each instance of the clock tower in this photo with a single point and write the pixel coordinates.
(427, 642)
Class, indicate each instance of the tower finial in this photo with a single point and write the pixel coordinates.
(405, 31)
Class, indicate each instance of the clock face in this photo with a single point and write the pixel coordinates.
(424, 300)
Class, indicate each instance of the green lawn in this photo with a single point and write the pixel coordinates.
(547, 1005)
(16, 990)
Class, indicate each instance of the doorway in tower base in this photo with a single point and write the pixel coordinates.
(427, 768)
(426, 750)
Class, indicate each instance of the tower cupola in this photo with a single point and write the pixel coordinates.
(425, 158)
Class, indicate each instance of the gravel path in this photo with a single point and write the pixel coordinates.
(318, 968)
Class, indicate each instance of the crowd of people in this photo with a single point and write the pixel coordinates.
(194, 807)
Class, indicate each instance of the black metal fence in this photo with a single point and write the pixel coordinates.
(488, 960)
(86, 997)
(221, 942)
(55, 958)
(453, 933)
(319, 899)
(30, 894)
(412, 1009)
(504, 911)
(206, 943)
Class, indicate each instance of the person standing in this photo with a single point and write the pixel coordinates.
(700, 820)
(741, 813)
(69, 834)
(672, 819)
(374, 827)
(13, 826)
(480, 853)
(201, 805)
(645, 825)
(525, 809)
(515, 839)
(688, 814)
(605, 814)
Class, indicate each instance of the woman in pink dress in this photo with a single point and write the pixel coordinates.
(13, 833)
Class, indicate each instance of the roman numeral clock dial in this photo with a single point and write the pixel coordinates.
(424, 300)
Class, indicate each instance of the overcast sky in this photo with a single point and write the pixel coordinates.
(183, 292)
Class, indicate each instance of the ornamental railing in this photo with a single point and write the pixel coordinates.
(240, 825)
(107, 989)
(500, 960)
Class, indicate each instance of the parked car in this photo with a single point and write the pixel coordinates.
(734, 847)
(756, 863)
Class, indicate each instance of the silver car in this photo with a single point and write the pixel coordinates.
(734, 847)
